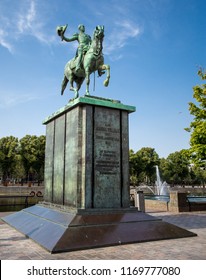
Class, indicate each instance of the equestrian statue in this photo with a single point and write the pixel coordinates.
(88, 59)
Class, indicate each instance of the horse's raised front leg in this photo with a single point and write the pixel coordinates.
(105, 67)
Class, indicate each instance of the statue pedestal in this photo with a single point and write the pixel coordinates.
(87, 160)
(87, 201)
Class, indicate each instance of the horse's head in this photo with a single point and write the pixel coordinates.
(99, 32)
(97, 41)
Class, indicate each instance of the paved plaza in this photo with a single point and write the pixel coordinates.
(15, 246)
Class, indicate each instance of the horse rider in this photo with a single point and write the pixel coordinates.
(84, 44)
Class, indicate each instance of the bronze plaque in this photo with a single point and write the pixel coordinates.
(107, 158)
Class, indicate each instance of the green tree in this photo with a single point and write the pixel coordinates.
(19, 171)
(8, 156)
(175, 168)
(198, 125)
(136, 168)
(142, 166)
(198, 175)
(32, 150)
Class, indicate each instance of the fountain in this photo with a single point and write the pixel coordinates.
(161, 188)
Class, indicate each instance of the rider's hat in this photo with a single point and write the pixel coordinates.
(61, 29)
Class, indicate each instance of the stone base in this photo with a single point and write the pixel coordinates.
(60, 231)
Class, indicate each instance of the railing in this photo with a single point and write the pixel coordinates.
(196, 203)
(18, 200)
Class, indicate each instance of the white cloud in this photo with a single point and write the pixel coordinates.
(123, 32)
(33, 23)
(3, 41)
(10, 99)
(121, 24)
(25, 19)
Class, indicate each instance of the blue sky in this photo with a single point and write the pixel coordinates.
(154, 49)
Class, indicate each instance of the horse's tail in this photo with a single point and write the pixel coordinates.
(64, 84)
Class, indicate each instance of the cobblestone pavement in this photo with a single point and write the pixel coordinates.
(15, 246)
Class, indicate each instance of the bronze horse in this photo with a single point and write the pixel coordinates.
(93, 61)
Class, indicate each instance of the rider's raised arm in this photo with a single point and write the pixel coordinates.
(73, 38)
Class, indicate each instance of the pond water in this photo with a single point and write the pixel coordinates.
(197, 198)
(167, 198)
(158, 197)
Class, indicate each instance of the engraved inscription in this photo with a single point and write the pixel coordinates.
(108, 162)
(107, 133)
(107, 158)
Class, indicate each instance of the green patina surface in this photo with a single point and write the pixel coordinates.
(91, 100)
(86, 163)
(88, 59)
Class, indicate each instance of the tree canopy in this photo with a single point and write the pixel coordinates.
(32, 153)
(22, 159)
(8, 155)
(175, 169)
(142, 165)
(198, 125)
